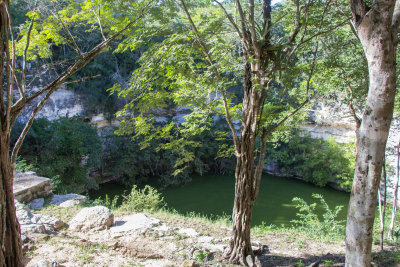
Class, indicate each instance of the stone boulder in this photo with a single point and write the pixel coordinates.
(135, 224)
(28, 186)
(68, 200)
(93, 218)
(35, 223)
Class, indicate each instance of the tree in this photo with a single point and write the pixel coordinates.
(35, 40)
(377, 25)
(194, 64)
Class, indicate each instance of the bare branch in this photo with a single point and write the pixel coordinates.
(82, 79)
(28, 125)
(76, 48)
(234, 25)
(97, 14)
(25, 58)
(350, 99)
(252, 28)
(10, 70)
(243, 23)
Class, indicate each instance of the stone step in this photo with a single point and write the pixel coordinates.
(28, 186)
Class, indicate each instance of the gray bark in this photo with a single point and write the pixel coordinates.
(377, 29)
(396, 190)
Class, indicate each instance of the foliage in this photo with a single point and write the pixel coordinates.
(147, 198)
(312, 224)
(107, 202)
(132, 160)
(64, 150)
(315, 160)
(23, 166)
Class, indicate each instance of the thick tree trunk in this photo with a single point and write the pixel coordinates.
(374, 30)
(10, 242)
(240, 244)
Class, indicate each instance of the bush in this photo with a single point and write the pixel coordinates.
(147, 198)
(315, 160)
(309, 221)
(63, 150)
(107, 202)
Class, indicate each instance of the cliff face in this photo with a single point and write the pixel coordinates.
(324, 120)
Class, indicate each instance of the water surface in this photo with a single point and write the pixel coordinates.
(212, 195)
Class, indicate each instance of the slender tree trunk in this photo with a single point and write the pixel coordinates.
(10, 243)
(374, 28)
(395, 197)
(382, 204)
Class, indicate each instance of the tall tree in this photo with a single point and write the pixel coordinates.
(377, 25)
(197, 62)
(16, 94)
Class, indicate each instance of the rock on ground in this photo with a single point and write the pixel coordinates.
(35, 223)
(93, 218)
(68, 200)
(135, 223)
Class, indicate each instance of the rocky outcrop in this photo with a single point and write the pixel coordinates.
(93, 218)
(62, 103)
(28, 186)
(35, 223)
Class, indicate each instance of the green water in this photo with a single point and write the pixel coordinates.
(213, 195)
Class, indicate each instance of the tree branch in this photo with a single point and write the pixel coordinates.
(24, 58)
(396, 22)
(359, 9)
(210, 62)
(252, 28)
(269, 131)
(79, 64)
(234, 25)
(75, 46)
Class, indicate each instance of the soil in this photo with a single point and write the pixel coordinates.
(171, 246)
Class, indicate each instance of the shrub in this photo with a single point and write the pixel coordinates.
(107, 202)
(147, 198)
(315, 160)
(309, 221)
(63, 150)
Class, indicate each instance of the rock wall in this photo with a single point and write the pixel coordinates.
(62, 103)
(325, 119)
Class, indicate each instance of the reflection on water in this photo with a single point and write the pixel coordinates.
(212, 195)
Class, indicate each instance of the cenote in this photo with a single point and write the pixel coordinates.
(212, 195)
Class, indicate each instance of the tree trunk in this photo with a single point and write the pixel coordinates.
(374, 28)
(382, 204)
(10, 243)
(396, 190)
(240, 244)
(245, 175)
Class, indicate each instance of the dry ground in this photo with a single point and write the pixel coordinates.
(277, 248)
